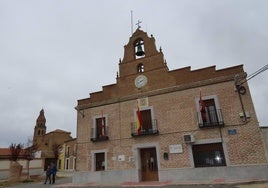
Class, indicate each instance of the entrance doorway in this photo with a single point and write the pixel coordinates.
(149, 169)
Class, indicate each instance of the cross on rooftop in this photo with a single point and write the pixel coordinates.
(138, 24)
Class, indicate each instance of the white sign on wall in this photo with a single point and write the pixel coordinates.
(175, 148)
(121, 157)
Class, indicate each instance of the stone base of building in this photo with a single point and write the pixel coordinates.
(216, 174)
(230, 174)
(106, 177)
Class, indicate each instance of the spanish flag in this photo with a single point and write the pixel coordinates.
(202, 106)
(138, 122)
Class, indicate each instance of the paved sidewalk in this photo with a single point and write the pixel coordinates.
(40, 184)
(66, 182)
(167, 185)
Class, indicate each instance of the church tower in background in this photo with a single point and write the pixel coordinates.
(40, 128)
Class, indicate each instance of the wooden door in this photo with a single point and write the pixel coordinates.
(149, 169)
(146, 120)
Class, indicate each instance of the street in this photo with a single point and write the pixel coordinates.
(66, 183)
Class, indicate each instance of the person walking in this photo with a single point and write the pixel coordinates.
(53, 172)
(48, 175)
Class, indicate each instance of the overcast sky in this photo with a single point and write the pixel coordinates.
(54, 52)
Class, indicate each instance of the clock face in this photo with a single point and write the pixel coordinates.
(140, 81)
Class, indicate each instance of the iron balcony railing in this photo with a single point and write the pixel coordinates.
(146, 129)
(97, 135)
(210, 119)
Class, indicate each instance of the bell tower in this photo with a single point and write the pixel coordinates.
(40, 127)
(141, 55)
(142, 65)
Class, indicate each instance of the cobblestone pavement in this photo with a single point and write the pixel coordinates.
(66, 183)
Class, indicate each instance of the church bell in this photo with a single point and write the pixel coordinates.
(139, 52)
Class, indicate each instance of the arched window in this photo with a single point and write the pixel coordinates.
(38, 132)
(140, 68)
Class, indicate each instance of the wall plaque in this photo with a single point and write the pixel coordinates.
(175, 148)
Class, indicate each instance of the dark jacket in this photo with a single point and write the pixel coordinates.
(48, 171)
(54, 170)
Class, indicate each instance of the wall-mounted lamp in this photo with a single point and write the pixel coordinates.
(80, 112)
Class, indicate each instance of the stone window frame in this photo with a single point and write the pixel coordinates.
(94, 125)
(216, 102)
(93, 162)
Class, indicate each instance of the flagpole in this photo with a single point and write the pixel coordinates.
(202, 110)
(102, 124)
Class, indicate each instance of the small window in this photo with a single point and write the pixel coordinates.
(67, 151)
(67, 164)
(100, 161)
(140, 68)
(208, 155)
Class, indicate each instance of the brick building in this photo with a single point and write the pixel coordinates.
(48, 143)
(67, 156)
(156, 124)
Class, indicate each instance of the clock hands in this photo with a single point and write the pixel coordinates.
(140, 81)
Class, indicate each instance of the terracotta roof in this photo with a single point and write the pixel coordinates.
(4, 151)
(59, 131)
(73, 139)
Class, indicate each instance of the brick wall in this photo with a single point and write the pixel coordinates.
(176, 114)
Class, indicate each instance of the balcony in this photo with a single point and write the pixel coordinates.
(146, 129)
(210, 119)
(98, 136)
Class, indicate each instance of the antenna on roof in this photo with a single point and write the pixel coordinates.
(131, 22)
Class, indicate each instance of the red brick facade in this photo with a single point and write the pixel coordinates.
(172, 99)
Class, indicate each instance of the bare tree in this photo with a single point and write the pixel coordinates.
(15, 150)
(15, 169)
(29, 154)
